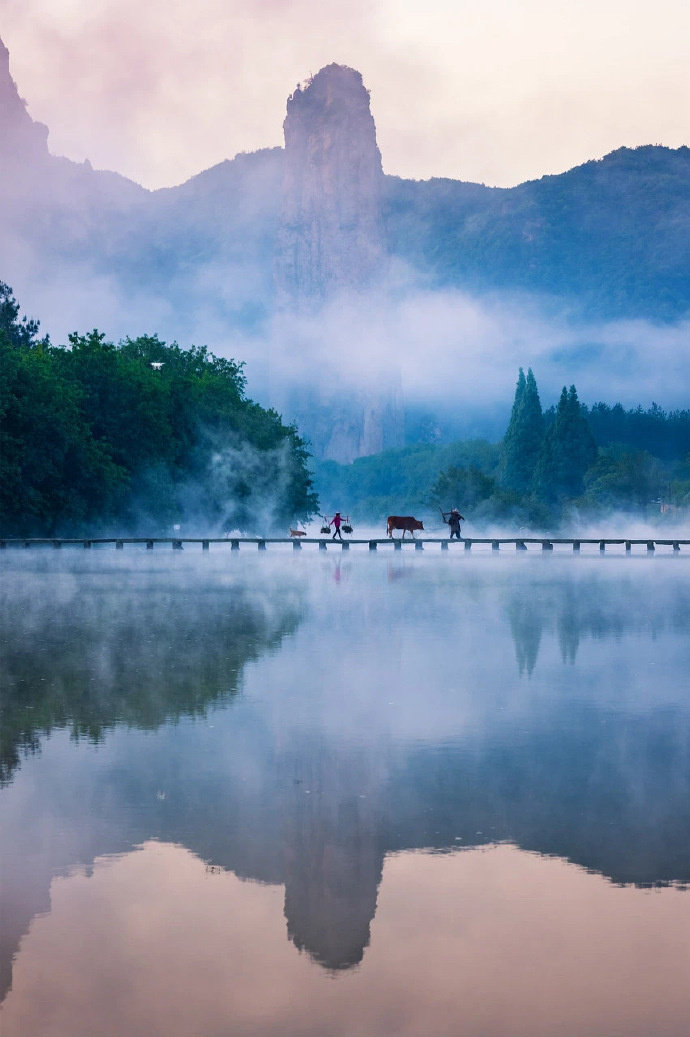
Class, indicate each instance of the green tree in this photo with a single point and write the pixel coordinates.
(666, 436)
(19, 331)
(624, 478)
(126, 405)
(53, 474)
(135, 435)
(524, 436)
(568, 452)
(461, 487)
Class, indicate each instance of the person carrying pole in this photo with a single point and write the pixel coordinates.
(336, 521)
(453, 518)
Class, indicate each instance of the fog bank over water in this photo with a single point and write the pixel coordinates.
(613, 524)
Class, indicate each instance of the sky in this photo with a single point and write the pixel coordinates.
(495, 92)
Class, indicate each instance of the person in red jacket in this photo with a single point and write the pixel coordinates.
(336, 521)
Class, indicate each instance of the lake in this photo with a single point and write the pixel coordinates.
(344, 793)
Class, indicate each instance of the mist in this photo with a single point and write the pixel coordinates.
(438, 348)
(451, 349)
(443, 350)
(338, 299)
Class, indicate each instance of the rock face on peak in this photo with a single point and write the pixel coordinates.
(331, 234)
(24, 141)
(331, 240)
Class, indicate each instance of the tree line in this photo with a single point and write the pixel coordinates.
(139, 435)
(569, 457)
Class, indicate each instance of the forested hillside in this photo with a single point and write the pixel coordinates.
(136, 436)
(612, 236)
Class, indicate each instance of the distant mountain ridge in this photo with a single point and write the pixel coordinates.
(611, 236)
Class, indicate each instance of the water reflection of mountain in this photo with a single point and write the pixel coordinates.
(609, 793)
(275, 789)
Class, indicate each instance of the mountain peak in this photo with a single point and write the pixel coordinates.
(332, 233)
(332, 107)
(332, 85)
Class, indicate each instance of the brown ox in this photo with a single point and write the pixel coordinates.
(404, 522)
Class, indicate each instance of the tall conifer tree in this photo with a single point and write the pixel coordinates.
(524, 436)
(569, 450)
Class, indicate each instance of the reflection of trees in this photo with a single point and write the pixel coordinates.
(526, 625)
(594, 608)
(568, 624)
(125, 650)
(607, 791)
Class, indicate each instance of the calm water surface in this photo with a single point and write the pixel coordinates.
(344, 794)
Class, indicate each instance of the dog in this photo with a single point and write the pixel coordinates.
(297, 533)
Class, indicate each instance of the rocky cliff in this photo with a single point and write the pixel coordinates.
(331, 234)
(23, 140)
(58, 218)
(331, 240)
